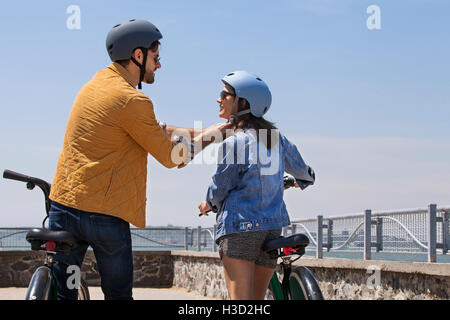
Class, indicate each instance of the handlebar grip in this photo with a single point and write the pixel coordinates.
(8, 174)
(288, 182)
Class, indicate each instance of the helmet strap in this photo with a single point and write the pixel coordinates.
(233, 110)
(235, 103)
(141, 66)
(240, 113)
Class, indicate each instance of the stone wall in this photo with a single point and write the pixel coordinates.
(351, 284)
(17, 267)
(348, 279)
(202, 272)
(151, 268)
(339, 279)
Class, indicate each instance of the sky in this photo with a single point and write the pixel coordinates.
(369, 109)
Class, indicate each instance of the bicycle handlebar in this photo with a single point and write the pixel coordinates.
(8, 174)
(31, 183)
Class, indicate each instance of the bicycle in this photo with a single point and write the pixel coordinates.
(297, 284)
(42, 285)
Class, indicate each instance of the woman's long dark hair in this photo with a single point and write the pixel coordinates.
(249, 121)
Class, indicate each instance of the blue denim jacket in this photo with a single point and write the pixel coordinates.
(247, 189)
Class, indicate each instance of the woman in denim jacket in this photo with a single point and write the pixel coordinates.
(246, 191)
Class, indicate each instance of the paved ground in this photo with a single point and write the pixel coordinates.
(138, 294)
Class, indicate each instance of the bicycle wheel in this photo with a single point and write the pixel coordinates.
(83, 291)
(40, 284)
(269, 294)
(303, 285)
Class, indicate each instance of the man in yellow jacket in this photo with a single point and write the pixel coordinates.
(100, 182)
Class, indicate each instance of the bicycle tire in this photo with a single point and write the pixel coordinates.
(303, 285)
(83, 291)
(40, 284)
(269, 293)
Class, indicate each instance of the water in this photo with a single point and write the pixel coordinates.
(174, 239)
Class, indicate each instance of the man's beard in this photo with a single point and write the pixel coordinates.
(149, 77)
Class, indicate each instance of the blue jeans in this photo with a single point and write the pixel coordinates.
(110, 239)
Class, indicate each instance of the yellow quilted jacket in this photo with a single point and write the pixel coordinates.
(103, 164)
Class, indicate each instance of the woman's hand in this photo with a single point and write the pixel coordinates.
(204, 208)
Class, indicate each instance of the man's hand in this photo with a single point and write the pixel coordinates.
(204, 208)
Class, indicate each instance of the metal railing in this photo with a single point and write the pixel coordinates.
(401, 231)
(161, 238)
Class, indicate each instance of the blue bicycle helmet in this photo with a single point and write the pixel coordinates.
(252, 88)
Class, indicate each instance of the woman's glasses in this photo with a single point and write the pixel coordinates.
(224, 94)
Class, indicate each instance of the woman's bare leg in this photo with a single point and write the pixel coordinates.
(239, 277)
(262, 276)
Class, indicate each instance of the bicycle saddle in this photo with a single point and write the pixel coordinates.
(43, 235)
(294, 241)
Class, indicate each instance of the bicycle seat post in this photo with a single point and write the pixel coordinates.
(49, 259)
(286, 260)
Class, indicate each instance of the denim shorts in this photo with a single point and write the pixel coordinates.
(248, 246)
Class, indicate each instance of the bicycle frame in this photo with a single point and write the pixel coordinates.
(281, 289)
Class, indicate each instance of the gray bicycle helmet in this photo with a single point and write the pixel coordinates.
(253, 89)
(123, 38)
